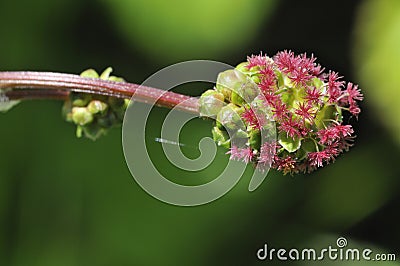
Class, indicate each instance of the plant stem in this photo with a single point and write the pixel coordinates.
(27, 85)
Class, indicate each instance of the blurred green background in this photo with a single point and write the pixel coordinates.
(69, 201)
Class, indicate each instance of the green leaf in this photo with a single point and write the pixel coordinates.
(288, 143)
(326, 115)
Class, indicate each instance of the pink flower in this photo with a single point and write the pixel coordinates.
(256, 60)
(354, 93)
(354, 110)
(250, 118)
(334, 133)
(317, 158)
(235, 153)
(267, 153)
(313, 96)
(247, 154)
(280, 110)
(300, 76)
(305, 111)
(267, 83)
(286, 164)
(344, 130)
(244, 154)
(271, 98)
(285, 61)
(331, 151)
(300, 69)
(290, 127)
(334, 86)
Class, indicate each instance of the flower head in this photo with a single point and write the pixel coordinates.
(306, 105)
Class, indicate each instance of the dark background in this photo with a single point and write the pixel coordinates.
(69, 201)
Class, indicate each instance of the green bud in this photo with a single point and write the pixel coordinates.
(89, 73)
(94, 114)
(229, 117)
(117, 79)
(211, 103)
(80, 99)
(236, 99)
(214, 93)
(228, 79)
(225, 91)
(239, 83)
(248, 90)
(97, 106)
(81, 116)
(242, 67)
(256, 79)
(106, 73)
(221, 137)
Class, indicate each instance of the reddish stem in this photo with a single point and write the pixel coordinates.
(22, 85)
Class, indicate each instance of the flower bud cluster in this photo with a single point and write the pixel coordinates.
(94, 114)
(305, 104)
